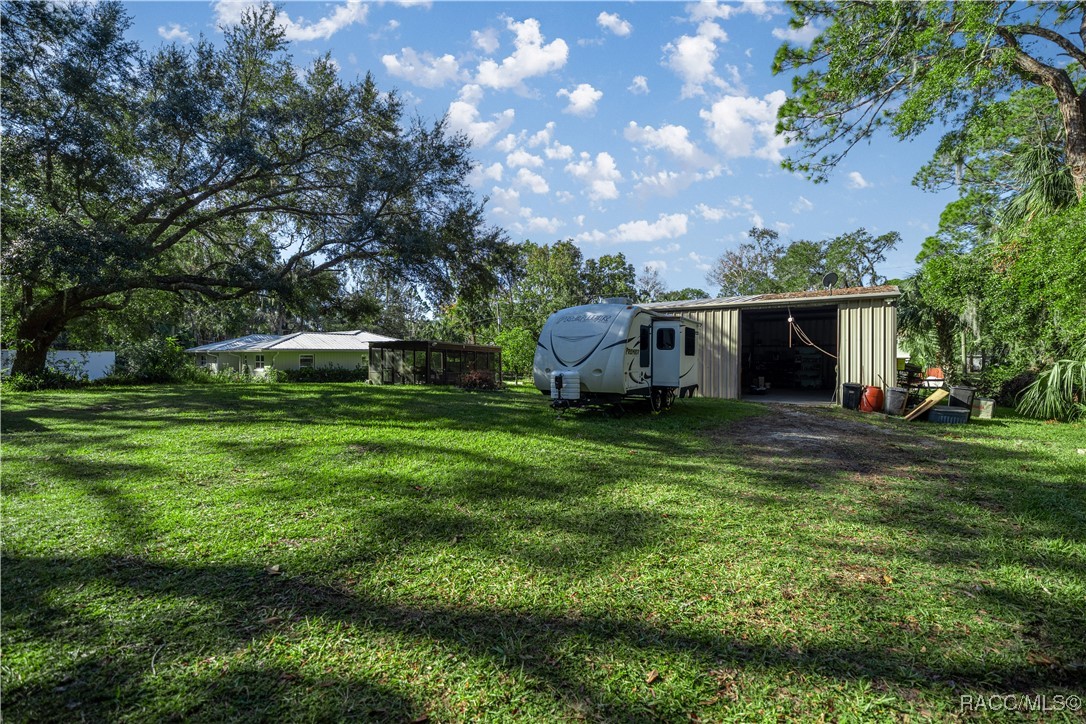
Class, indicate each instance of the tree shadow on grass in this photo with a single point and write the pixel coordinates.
(532, 647)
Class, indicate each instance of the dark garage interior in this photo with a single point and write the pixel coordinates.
(776, 362)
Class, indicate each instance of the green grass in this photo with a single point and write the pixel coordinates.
(321, 552)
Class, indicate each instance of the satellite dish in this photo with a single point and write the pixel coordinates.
(829, 280)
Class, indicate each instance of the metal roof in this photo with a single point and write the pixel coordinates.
(817, 297)
(345, 341)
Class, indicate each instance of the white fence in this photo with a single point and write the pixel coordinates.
(92, 365)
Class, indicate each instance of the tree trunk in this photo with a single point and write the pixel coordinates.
(1073, 111)
(36, 333)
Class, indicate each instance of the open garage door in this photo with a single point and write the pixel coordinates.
(777, 363)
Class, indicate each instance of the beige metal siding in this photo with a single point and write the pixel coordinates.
(719, 350)
(867, 342)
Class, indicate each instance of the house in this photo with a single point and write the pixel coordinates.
(803, 345)
(256, 352)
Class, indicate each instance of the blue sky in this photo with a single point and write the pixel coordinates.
(645, 128)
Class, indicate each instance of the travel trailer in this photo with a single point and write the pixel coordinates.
(607, 353)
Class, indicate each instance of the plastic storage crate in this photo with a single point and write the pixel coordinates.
(949, 415)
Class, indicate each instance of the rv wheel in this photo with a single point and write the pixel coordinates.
(668, 398)
(656, 399)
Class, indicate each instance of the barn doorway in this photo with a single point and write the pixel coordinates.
(776, 362)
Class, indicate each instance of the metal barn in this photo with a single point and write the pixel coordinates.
(425, 362)
(748, 345)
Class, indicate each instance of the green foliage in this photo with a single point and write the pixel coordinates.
(156, 360)
(518, 349)
(211, 173)
(764, 266)
(333, 373)
(478, 380)
(682, 295)
(901, 67)
(50, 378)
(1058, 393)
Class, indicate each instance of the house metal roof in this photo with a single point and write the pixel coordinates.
(816, 297)
(340, 341)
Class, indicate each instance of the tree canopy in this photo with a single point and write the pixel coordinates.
(763, 265)
(211, 172)
(904, 66)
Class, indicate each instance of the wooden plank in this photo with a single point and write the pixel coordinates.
(935, 398)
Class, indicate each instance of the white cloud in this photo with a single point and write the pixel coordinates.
(423, 70)
(801, 204)
(464, 117)
(481, 174)
(600, 175)
(710, 213)
(737, 206)
(746, 126)
(669, 249)
(673, 139)
(531, 58)
(520, 157)
(541, 223)
(506, 202)
(693, 59)
(666, 226)
(594, 236)
(783, 227)
(175, 32)
(542, 137)
(857, 181)
(558, 151)
(582, 99)
(532, 181)
(701, 263)
(669, 183)
(510, 142)
(710, 9)
(612, 22)
(657, 265)
(640, 85)
(485, 40)
(344, 15)
(799, 36)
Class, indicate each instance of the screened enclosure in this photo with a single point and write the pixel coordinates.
(425, 362)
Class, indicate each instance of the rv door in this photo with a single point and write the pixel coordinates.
(666, 351)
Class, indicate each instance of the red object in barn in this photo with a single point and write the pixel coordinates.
(872, 400)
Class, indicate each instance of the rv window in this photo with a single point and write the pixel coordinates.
(665, 338)
(646, 340)
(691, 336)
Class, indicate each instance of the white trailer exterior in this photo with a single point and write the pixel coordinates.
(605, 353)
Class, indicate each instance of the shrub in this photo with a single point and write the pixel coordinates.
(50, 379)
(478, 380)
(157, 360)
(1002, 382)
(1058, 393)
(327, 374)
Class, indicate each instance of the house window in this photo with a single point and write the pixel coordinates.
(665, 338)
(258, 362)
(305, 360)
(202, 360)
(691, 337)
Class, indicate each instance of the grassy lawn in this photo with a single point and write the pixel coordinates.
(319, 552)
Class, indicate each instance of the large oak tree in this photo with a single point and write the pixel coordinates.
(906, 65)
(211, 172)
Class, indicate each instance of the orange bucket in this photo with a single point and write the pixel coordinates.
(872, 400)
